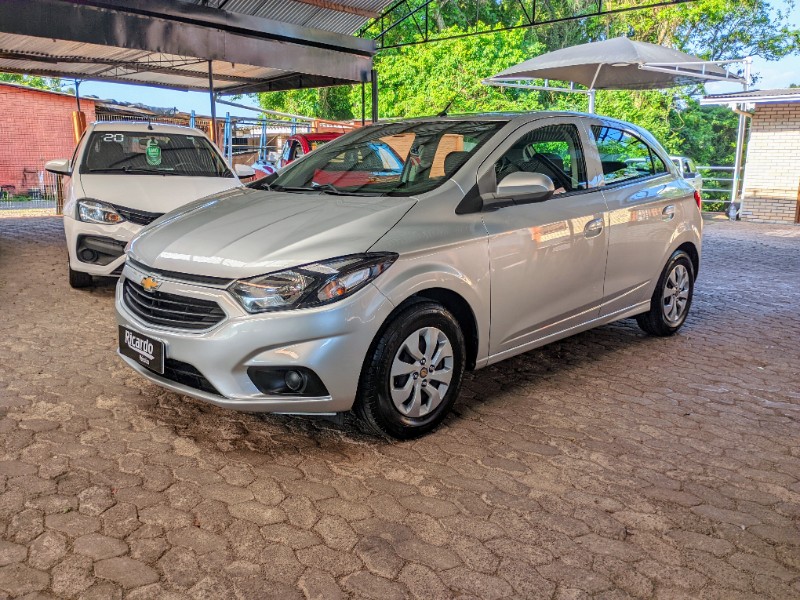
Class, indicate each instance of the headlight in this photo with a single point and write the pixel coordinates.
(310, 285)
(92, 211)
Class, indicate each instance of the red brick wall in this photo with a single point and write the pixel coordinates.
(35, 126)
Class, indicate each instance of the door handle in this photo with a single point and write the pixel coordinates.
(668, 213)
(593, 228)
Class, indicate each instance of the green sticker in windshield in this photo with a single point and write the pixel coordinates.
(153, 153)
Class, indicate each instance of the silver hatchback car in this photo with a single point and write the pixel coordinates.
(371, 273)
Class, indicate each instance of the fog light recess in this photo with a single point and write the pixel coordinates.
(284, 381)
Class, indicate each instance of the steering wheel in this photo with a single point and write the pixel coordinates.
(558, 173)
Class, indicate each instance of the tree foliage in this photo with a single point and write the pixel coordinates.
(42, 83)
(422, 79)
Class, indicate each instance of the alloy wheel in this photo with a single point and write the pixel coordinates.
(421, 372)
(676, 294)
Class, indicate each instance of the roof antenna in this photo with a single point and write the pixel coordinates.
(447, 107)
(449, 104)
(149, 123)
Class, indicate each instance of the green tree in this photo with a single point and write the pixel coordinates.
(332, 103)
(422, 79)
(43, 83)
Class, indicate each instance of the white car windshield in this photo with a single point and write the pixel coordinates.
(152, 153)
(399, 159)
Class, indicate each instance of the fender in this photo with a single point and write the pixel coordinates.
(463, 269)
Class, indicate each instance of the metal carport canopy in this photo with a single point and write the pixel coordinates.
(170, 44)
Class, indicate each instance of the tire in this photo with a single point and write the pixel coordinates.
(672, 297)
(79, 279)
(417, 406)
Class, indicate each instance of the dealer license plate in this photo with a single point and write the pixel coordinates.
(145, 350)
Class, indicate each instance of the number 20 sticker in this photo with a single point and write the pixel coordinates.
(114, 137)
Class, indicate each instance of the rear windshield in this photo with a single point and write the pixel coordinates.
(398, 159)
(134, 153)
(314, 144)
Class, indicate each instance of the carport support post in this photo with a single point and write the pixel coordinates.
(213, 104)
(737, 165)
(374, 80)
(592, 94)
(363, 103)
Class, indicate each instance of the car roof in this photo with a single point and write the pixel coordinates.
(144, 127)
(512, 116)
(319, 136)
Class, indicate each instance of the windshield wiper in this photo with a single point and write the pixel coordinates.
(325, 188)
(133, 170)
(284, 188)
(329, 188)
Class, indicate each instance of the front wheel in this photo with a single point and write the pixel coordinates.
(79, 279)
(412, 375)
(672, 297)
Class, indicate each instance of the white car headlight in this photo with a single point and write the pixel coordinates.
(310, 285)
(93, 211)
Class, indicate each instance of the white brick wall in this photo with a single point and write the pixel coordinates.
(772, 171)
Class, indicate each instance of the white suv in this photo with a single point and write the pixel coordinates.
(123, 177)
(372, 272)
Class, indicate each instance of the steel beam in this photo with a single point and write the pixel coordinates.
(381, 29)
(191, 31)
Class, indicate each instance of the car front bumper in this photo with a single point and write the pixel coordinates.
(331, 341)
(121, 232)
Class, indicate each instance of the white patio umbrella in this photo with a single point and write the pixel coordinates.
(615, 64)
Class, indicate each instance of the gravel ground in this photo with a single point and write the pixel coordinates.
(609, 465)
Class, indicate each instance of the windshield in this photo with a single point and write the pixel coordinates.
(152, 153)
(399, 159)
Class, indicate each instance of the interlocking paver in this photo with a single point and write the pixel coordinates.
(609, 465)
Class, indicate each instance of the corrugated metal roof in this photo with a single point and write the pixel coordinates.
(755, 96)
(301, 45)
(301, 13)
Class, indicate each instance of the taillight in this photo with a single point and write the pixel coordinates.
(698, 199)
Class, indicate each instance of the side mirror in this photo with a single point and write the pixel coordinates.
(521, 188)
(244, 171)
(60, 166)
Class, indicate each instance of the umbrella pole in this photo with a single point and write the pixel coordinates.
(592, 91)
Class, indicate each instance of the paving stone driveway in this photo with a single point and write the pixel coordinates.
(611, 465)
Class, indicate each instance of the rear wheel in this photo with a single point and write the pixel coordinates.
(672, 297)
(412, 375)
(79, 279)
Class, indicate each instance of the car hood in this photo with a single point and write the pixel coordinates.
(253, 232)
(153, 193)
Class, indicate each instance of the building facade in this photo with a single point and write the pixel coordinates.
(35, 126)
(771, 184)
(772, 172)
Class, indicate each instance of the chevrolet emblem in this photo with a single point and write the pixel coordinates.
(149, 284)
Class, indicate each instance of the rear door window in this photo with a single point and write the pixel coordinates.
(624, 156)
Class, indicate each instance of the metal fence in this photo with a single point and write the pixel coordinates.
(38, 191)
(717, 187)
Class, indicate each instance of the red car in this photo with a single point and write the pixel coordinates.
(303, 143)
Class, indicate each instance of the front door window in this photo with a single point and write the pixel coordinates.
(553, 150)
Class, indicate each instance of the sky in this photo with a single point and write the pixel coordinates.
(772, 75)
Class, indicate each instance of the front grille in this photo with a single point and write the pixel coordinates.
(170, 310)
(140, 217)
(186, 374)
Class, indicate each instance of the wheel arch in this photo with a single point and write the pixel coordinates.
(456, 304)
(694, 255)
(461, 310)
